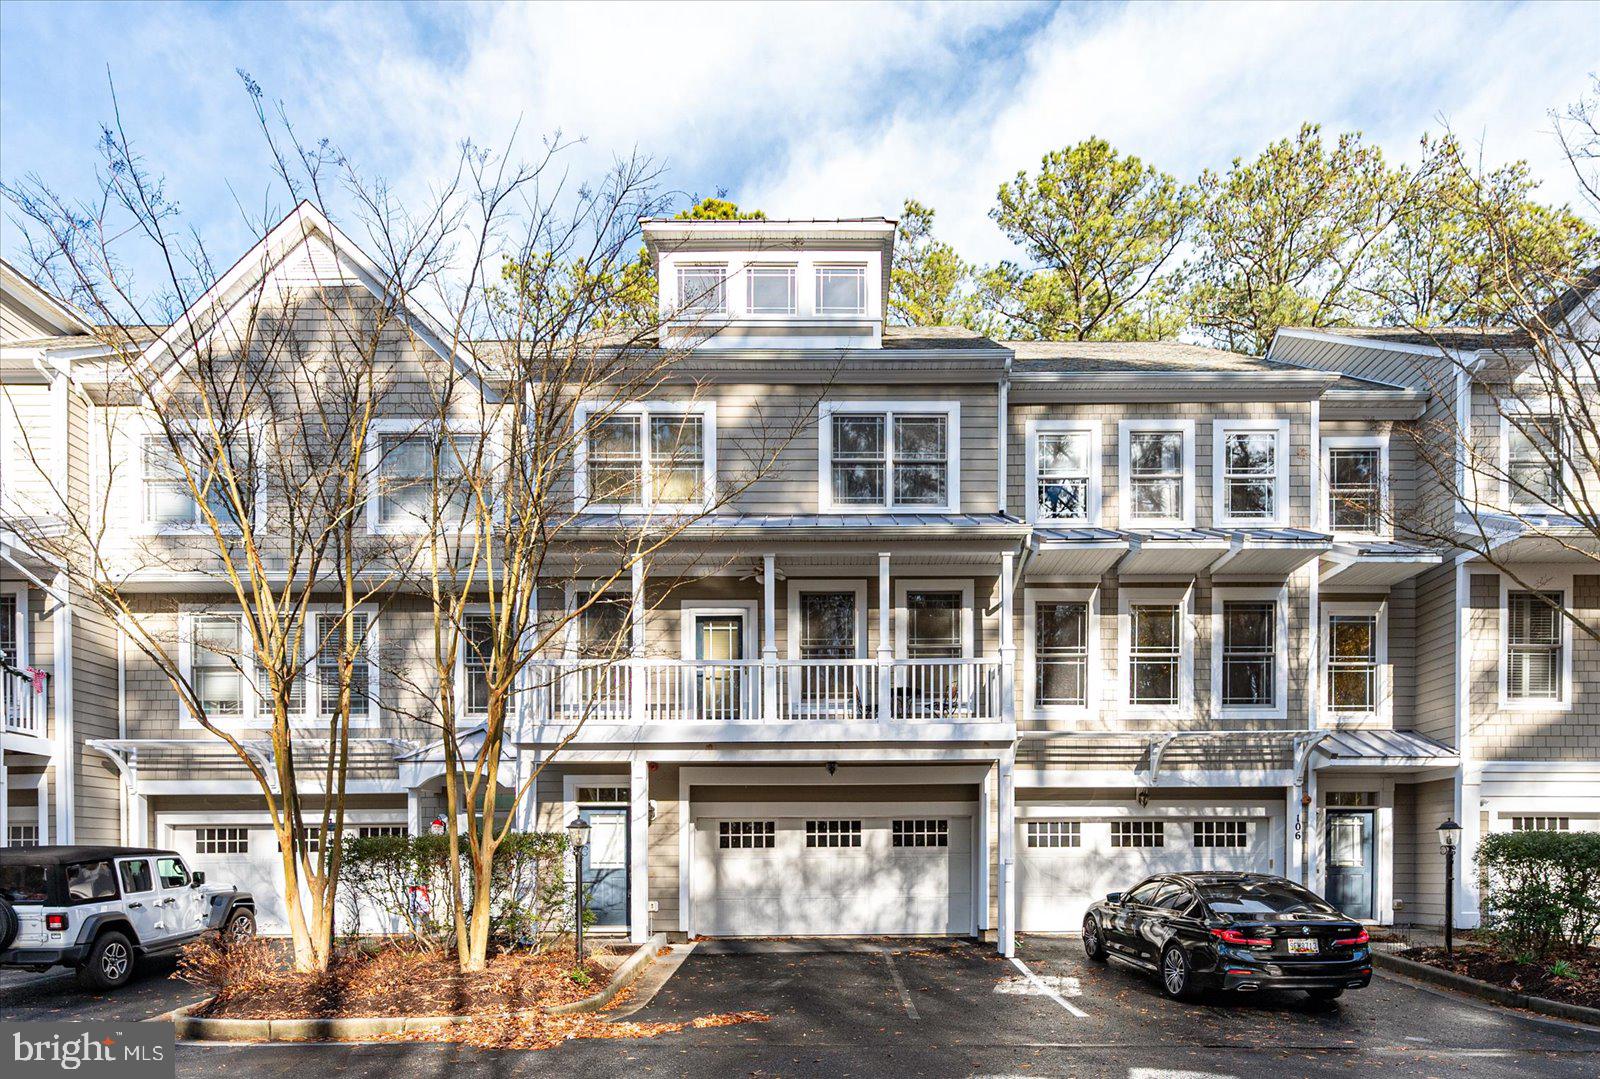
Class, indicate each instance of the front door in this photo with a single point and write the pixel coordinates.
(1351, 857)
(605, 867)
(719, 646)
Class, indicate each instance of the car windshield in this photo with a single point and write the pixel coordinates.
(23, 883)
(1261, 897)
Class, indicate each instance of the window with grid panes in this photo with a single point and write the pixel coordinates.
(868, 447)
(1541, 824)
(216, 657)
(334, 637)
(10, 650)
(746, 834)
(1534, 453)
(1061, 654)
(1249, 653)
(1061, 462)
(1533, 646)
(22, 835)
(1221, 833)
(1155, 475)
(933, 625)
(920, 833)
(1138, 833)
(222, 841)
(833, 833)
(1250, 474)
(370, 831)
(1355, 497)
(1049, 834)
(477, 648)
(1353, 662)
(1154, 654)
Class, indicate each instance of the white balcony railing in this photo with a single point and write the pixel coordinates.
(23, 702)
(770, 691)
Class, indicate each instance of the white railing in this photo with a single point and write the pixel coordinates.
(755, 691)
(23, 706)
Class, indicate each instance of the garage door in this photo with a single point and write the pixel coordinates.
(830, 875)
(1066, 862)
(242, 854)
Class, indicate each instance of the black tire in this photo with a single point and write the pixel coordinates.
(109, 963)
(241, 924)
(1325, 996)
(1094, 942)
(9, 923)
(1175, 974)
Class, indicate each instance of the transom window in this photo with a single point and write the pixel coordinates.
(1249, 653)
(833, 833)
(1541, 824)
(770, 290)
(650, 459)
(1138, 833)
(607, 795)
(1534, 660)
(222, 841)
(1355, 492)
(1353, 662)
(1061, 654)
(747, 834)
(1534, 452)
(1221, 833)
(1155, 652)
(373, 831)
(1250, 475)
(1054, 834)
(703, 289)
(890, 460)
(1155, 475)
(1063, 464)
(920, 833)
(933, 625)
(841, 290)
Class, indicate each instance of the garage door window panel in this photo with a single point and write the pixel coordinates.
(747, 834)
(1053, 834)
(1138, 833)
(222, 841)
(833, 833)
(1222, 833)
(920, 833)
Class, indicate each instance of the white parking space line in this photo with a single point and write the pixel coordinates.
(1047, 991)
(899, 983)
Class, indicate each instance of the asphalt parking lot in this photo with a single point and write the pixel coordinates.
(908, 1008)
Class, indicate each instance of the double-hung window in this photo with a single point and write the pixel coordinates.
(420, 480)
(1155, 654)
(899, 457)
(1535, 662)
(333, 641)
(1061, 653)
(1065, 462)
(703, 289)
(1355, 477)
(1248, 467)
(475, 648)
(934, 624)
(1249, 653)
(1353, 665)
(170, 504)
(652, 457)
(841, 290)
(1156, 477)
(770, 290)
(10, 638)
(217, 661)
(1535, 454)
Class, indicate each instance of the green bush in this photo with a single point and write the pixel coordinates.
(405, 880)
(1541, 889)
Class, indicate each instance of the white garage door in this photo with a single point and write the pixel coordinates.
(1066, 862)
(831, 875)
(245, 855)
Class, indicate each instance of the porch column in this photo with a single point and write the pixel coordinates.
(638, 851)
(636, 673)
(1007, 827)
(1293, 825)
(413, 812)
(885, 640)
(1008, 644)
(43, 796)
(1468, 810)
(769, 637)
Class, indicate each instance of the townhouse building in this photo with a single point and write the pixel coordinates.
(1002, 627)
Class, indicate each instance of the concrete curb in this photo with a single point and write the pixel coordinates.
(1423, 972)
(190, 1027)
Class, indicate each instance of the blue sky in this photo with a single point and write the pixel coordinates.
(800, 110)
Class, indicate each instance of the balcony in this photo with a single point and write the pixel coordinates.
(761, 700)
(23, 702)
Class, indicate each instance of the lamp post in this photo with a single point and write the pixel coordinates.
(1449, 837)
(578, 835)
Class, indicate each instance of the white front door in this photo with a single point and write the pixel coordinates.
(829, 873)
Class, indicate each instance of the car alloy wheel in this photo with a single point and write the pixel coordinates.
(114, 961)
(1174, 972)
(242, 925)
(1093, 946)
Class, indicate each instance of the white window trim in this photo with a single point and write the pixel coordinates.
(1378, 442)
(253, 716)
(1126, 428)
(681, 307)
(1534, 409)
(690, 609)
(1092, 428)
(381, 429)
(1127, 598)
(460, 675)
(621, 587)
(749, 286)
(819, 311)
(24, 654)
(951, 410)
(1282, 460)
(706, 410)
(1279, 597)
(1546, 582)
(198, 527)
(1383, 690)
(902, 614)
(1093, 691)
(798, 585)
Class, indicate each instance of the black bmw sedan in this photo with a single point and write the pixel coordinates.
(1234, 931)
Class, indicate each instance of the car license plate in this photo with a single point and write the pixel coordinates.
(1302, 946)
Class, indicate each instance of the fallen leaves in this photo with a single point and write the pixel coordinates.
(535, 1031)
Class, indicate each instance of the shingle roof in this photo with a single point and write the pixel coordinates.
(905, 337)
(1044, 356)
(1453, 337)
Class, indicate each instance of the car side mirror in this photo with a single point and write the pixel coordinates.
(197, 878)
(1113, 897)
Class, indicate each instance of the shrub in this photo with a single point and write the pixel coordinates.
(1541, 889)
(405, 880)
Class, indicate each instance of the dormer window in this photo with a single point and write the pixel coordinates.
(770, 290)
(841, 290)
(703, 288)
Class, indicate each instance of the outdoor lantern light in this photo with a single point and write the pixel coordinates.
(578, 836)
(1449, 836)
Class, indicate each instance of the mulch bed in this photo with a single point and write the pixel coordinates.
(1538, 978)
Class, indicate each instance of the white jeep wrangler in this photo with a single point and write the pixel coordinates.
(102, 909)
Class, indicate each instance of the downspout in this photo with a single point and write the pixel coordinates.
(1003, 408)
(66, 778)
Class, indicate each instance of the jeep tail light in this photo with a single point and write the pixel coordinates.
(1233, 936)
(56, 923)
(1351, 942)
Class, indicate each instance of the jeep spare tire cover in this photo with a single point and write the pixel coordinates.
(8, 924)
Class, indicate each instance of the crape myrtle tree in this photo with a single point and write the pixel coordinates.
(243, 405)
